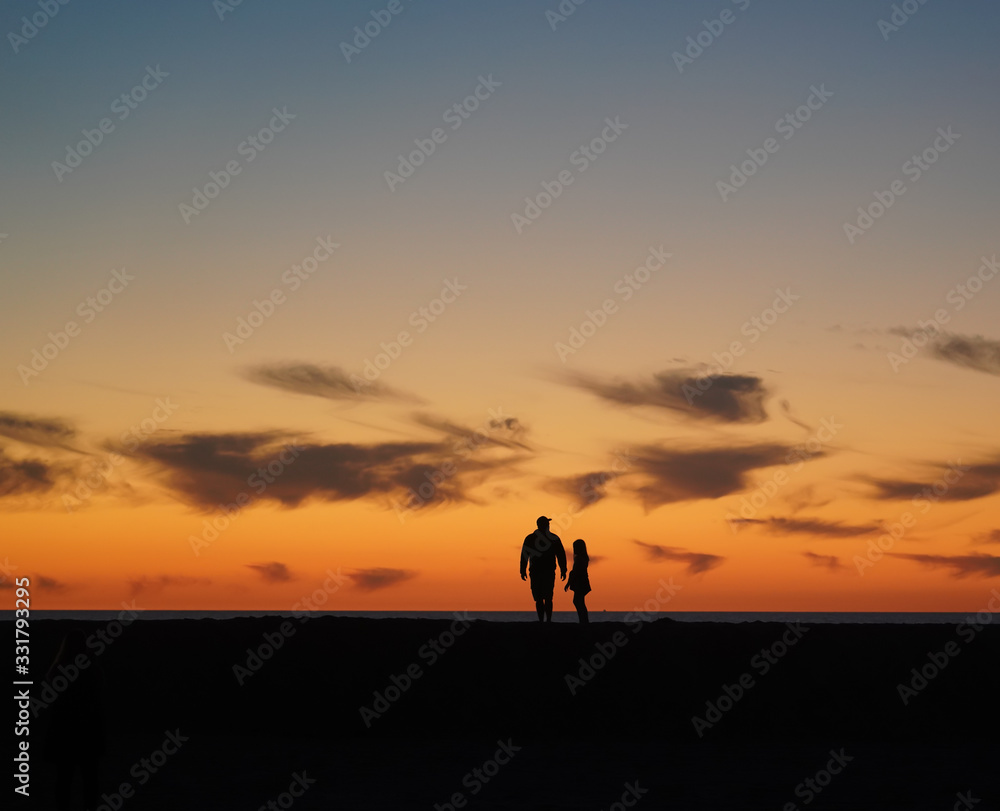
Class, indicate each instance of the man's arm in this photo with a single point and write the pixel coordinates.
(561, 557)
(524, 558)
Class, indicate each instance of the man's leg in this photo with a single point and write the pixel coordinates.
(540, 610)
(548, 609)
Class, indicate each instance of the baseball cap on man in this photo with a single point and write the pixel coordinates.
(542, 518)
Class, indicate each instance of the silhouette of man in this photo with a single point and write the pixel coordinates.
(543, 549)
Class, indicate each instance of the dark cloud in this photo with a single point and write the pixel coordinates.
(499, 430)
(673, 475)
(970, 352)
(831, 562)
(697, 562)
(32, 480)
(993, 536)
(806, 497)
(952, 482)
(48, 583)
(584, 490)
(152, 585)
(748, 522)
(213, 469)
(967, 351)
(273, 572)
(379, 578)
(809, 526)
(977, 564)
(328, 382)
(20, 477)
(37, 430)
(786, 409)
(720, 398)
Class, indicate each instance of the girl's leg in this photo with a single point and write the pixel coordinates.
(581, 608)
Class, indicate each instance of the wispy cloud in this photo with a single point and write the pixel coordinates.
(992, 536)
(672, 474)
(809, 526)
(379, 578)
(585, 490)
(212, 469)
(726, 398)
(786, 409)
(970, 352)
(43, 431)
(956, 482)
(328, 382)
(976, 564)
(273, 572)
(20, 477)
(153, 585)
(831, 562)
(697, 562)
(807, 497)
(499, 431)
(973, 352)
(38, 580)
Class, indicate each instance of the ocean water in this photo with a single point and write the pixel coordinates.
(807, 617)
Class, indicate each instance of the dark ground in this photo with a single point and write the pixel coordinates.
(629, 723)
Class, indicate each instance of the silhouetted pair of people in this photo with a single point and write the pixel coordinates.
(543, 549)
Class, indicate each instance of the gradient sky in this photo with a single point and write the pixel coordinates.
(763, 491)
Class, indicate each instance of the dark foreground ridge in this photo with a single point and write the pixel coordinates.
(401, 713)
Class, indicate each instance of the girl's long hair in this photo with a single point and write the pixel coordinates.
(580, 550)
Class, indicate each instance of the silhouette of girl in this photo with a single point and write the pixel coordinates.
(578, 579)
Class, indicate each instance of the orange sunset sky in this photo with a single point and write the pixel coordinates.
(730, 318)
